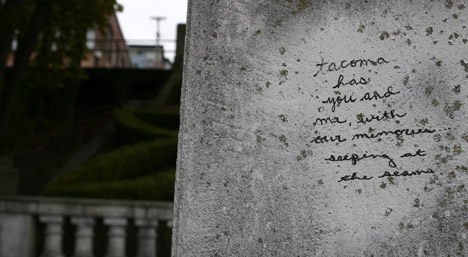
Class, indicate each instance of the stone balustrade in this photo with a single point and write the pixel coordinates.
(19, 216)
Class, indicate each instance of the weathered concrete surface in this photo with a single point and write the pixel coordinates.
(16, 235)
(259, 174)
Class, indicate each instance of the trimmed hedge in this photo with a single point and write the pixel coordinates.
(158, 187)
(165, 119)
(123, 173)
(130, 129)
(123, 163)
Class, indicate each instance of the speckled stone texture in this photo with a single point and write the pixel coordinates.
(324, 128)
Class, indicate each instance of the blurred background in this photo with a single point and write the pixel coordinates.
(89, 110)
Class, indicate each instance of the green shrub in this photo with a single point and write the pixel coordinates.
(123, 173)
(158, 187)
(130, 129)
(164, 119)
(123, 163)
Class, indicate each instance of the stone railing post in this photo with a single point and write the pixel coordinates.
(84, 236)
(18, 229)
(53, 236)
(147, 236)
(117, 235)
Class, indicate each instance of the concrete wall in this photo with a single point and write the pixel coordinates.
(16, 235)
(323, 128)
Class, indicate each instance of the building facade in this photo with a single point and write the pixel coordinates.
(108, 49)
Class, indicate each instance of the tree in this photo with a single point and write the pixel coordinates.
(55, 31)
(9, 21)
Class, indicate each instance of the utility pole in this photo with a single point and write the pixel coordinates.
(158, 19)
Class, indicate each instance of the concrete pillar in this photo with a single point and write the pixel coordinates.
(17, 235)
(117, 235)
(53, 236)
(84, 236)
(147, 236)
(323, 128)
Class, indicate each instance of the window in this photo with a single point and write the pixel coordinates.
(91, 39)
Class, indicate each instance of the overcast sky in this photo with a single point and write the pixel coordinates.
(138, 27)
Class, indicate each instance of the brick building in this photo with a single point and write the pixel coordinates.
(108, 50)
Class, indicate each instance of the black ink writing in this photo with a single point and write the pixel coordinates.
(419, 152)
(354, 176)
(330, 67)
(352, 82)
(354, 158)
(397, 132)
(328, 120)
(385, 116)
(357, 82)
(327, 139)
(338, 100)
(375, 95)
(406, 173)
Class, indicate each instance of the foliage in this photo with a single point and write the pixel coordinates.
(166, 119)
(62, 41)
(136, 171)
(131, 129)
(158, 187)
(123, 173)
(124, 163)
(50, 33)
